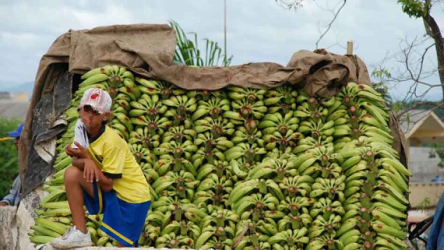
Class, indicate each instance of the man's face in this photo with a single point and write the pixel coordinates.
(16, 142)
(91, 118)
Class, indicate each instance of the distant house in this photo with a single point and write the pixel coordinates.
(423, 128)
(5, 95)
(14, 106)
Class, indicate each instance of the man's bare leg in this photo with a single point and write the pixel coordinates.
(74, 184)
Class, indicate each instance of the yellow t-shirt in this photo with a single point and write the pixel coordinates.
(112, 155)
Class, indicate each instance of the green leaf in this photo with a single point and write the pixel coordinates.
(188, 53)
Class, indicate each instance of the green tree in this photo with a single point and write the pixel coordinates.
(422, 9)
(8, 156)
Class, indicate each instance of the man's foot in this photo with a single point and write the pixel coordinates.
(72, 238)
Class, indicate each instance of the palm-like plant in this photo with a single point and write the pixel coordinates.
(188, 53)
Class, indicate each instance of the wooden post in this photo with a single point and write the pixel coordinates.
(350, 48)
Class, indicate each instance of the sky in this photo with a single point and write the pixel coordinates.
(257, 31)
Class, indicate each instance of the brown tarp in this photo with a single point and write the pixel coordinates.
(148, 50)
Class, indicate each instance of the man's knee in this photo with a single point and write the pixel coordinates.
(73, 174)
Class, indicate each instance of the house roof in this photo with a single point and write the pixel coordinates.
(424, 126)
(14, 109)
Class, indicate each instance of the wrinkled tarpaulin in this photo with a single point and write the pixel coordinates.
(148, 50)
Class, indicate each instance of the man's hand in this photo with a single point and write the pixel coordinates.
(90, 171)
(80, 152)
(3, 204)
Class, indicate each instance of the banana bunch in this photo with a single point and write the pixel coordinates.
(155, 125)
(309, 143)
(274, 169)
(149, 105)
(168, 162)
(214, 238)
(296, 213)
(275, 122)
(179, 134)
(181, 107)
(293, 238)
(245, 188)
(220, 168)
(142, 154)
(150, 173)
(218, 230)
(317, 129)
(216, 187)
(205, 95)
(114, 79)
(172, 240)
(149, 235)
(325, 241)
(211, 148)
(284, 142)
(241, 168)
(177, 149)
(248, 94)
(214, 107)
(296, 186)
(244, 109)
(152, 87)
(332, 188)
(255, 206)
(242, 135)
(143, 137)
(249, 236)
(306, 110)
(281, 99)
(182, 182)
(251, 152)
(218, 127)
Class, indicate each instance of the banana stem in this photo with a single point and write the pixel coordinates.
(331, 245)
(295, 223)
(220, 220)
(354, 122)
(280, 173)
(173, 243)
(355, 133)
(255, 240)
(181, 191)
(290, 242)
(177, 165)
(262, 186)
(287, 99)
(183, 228)
(249, 155)
(220, 170)
(251, 228)
(209, 156)
(178, 214)
(220, 231)
(256, 215)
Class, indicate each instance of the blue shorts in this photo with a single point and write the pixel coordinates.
(122, 220)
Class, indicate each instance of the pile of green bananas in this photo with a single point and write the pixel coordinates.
(242, 168)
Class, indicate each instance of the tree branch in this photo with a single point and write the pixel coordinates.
(331, 23)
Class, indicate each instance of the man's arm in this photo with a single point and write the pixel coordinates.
(78, 162)
(13, 193)
(91, 172)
